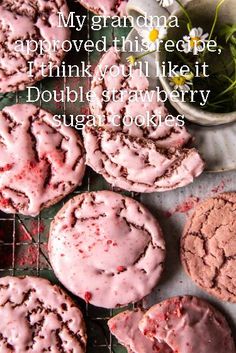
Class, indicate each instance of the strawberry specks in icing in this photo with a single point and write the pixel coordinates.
(188, 325)
(87, 297)
(6, 168)
(37, 166)
(113, 275)
(124, 327)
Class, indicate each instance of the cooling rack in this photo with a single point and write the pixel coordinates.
(23, 251)
(23, 240)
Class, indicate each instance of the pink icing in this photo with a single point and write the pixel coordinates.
(26, 20)
(106, 248)
(39, 163)
(139, 165)
(188, 325)
(124, 327)
(106, 7)
(38, 317)
(165, 134)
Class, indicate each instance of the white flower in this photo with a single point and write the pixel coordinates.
(152, 35)
(181, 82)
(195, 41)
(165, 3)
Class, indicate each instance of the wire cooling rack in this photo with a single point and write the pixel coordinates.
(23, 251)
(23, 240)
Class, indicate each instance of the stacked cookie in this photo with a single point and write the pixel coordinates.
(139, 158)
(181, 324)
(125, 327)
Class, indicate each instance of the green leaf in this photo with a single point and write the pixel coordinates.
(233, 50)
(229, 32)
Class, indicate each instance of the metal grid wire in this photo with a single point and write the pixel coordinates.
(100, 339)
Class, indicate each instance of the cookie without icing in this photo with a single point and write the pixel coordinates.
(106, 248)
(38, 317)
(142, 110)
(208, 246)
(139, 165)
(40, 163)
(124, 327)
(106, 7)
(188, 325)
(23, 20)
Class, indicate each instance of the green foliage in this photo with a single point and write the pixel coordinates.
(229, 33)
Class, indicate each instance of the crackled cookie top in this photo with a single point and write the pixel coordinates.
(208, 246)
(106, 248)
(24, 20)
(143, 116)
(139, 165)
(106, 7)
(188, 325)
(124, 327)
(39, 163)
(38, 317)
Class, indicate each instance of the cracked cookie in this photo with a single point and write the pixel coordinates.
(139, 165)
(29, 22)
(106, 7)
(188, 325)
(112, 86)
(106, 248)
(39, 163)
(37, 316)
(208, 246)
(124, 327)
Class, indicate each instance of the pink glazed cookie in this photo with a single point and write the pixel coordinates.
(124, 327)
(24, 20)
(208, 246)
(106, 248)
(139, 165)
(117, 112)
(40, 163)
(38, 317)
(106, 7)
(188, 325)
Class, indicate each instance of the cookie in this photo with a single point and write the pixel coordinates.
(124, 327)
(37, 316)
(27, 20)
(106, 7)
(40, 163)
(208, 246)
(139, 165)
(188, 325)
(143, 116)
(106, 248)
